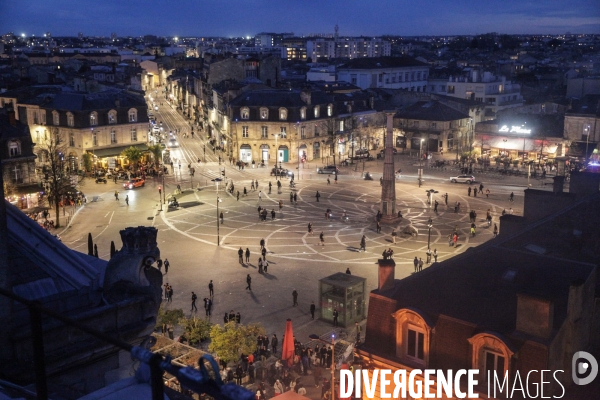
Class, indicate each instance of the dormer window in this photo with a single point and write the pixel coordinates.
(283, 114)
(317, 111)
(14, 148)
(112, 117)
(55, 118)
(264, 113)
(412, 337)
(133, 115)
(245, 113)
(303, 113)
(330, 110)
(490, 354)
(70, 119)
(94, 119)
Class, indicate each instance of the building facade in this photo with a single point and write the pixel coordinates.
(347, 47)
(385, 72)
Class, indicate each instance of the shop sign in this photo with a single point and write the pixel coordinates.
(514, 129)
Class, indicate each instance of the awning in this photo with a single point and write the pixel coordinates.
(116, 151)
(516, 144)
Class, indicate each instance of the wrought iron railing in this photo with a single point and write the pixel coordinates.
(200, 380)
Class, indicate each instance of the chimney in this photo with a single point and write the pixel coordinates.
(535, 316)
(387, 271)
(11, 118)
(557, 185)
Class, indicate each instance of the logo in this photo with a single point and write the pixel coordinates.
(584, 368)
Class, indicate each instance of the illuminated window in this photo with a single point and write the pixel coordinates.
(415, 343)
(317, 111)
(55, 118)
(283, 132)
(94, 118)
(264, 132)
(134, 135)
(133, 115)
(283, 114)
(112, 117)
(14, 148)
(94, 138)
(244, 131)
(70, 119)
(303, 113)
(72, 139)
(245, 113)
(341, 126)
(330, 110)
(302, 133)
(412, 337)
(264, 113)
(113, 136)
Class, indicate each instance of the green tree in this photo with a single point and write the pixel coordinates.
(196, 329)
(156, 151)
(133, 154)
(88, 162)
(228, 342)
(169, 317)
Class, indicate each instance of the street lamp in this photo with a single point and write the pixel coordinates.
(276, 153)
(316, 337)
(429, 226)
(217, 181)
(421, 161)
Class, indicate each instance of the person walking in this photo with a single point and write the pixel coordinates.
(245, 191)
(328, 181)
(167, 264)
(238, 196)
(249, 282)
(469, 191)
(211, 288)
(259, 195)
(295, 198)
(394, 234)
(481, 188)
(435, 206)
(335, 317)
(310, 228)
(312, 310)
(446, 199)
(252, 185)
(280, 205)
(274, 343)
(270, 184)
(117, 195)
(221, 216)
(241, 255)
(420, 264)
(295, 297)
(260, 265)
(416, 263)
(317, 196)
(322, 239)
(170, 293)
(495, 230)
(127, 199)
(378, 227)
(272, 215)
(207, 306)
(264, 253)
(159, 264)
(194, 298)
(487, 193)
(435, 255)
(473, 230)
(262, 243)
(247, 255)
(511, 197)
(428, 254)
(291, 197)
(363, 243)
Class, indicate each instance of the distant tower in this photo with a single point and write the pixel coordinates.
(113, 36)
(336, 29)
(388, 183)
(80, 35)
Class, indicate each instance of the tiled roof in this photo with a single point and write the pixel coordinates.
(276, 98)
(430, 111)
(95, 101)
(382, 62)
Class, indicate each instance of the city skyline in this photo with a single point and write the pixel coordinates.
(229, 18)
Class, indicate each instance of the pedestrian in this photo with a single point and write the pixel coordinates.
(241, 255)
(511, 198)
(394, 234)
(280, 205)
(251, 373)
(207, 306)
(274, 343)
(310, 228)
(312, 310)
(416, 263)
(295, 198)
(211, 288)
(428, 254)
(245, 191)
(454, 239)
(469, 190)
(270, 184)
(420, 264)
(328, 181)
(226, 318)
(487, 193)
(495, 230)
(260, 265)
(435, 206)
(291, 197)
(249, 282)
(247, 255)
(159, 264)
(378, 227)
(221, 216)
(363, 243)
(259, 195)
(238, 317)
(170, 293)
(252, 185)
(272, 214)
(322, 239)
(238, 375)
(481, 188)
(264, 253)
(435, 255)
(116, 195)
(335, 179)
(317, 196)
(265, 265)
(238, 195)
(295, 296)
(475, 192)
(473, 230)
(262, 243)
(194, 298)
(127, 199)
(167, 264)
(335, 317)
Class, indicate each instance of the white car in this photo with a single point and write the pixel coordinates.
(462, 179)
(155, 108)
(173, 143)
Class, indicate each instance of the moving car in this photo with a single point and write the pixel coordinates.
(462, 179)
(329, 169)
(276, 171)
(155, 108)
(173, 143)
(134, 183)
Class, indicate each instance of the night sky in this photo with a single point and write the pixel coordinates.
(247, 17)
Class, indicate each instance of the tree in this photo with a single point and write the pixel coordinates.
(228, 342)
(156, 151)
(133, 154)
(196, 329)
(60, 182)
(88, 162)
(169, 317)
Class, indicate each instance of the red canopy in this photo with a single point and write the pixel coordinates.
(287, 351)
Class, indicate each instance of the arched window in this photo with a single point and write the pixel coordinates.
(303, 113)
(330, 110)
(133, 115)
(70, 119)
(264, 113)
(490, 353)
(55, 118)
(245, 113)
(317, 111)
(94, 118)
(283, 113)
(14, 148)
(112, 117)
(412, 337)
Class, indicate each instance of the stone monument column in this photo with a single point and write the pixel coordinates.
(388, 187)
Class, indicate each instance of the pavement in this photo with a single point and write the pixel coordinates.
(187, 236)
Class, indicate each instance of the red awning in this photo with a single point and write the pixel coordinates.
(287, 351)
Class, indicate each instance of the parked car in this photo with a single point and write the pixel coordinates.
(329, 169)
(393, 149)
(134, 183)
(276, 171)
(173, 142)
(462, 179)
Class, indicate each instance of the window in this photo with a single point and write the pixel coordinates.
(406, 77)
(35, 118)
(451, 89)
(72, 139)
(494, 362)
(245, 113)
(112, 117)
(133, 115)
(283, 132)
(302, 133)
(353, 79)
(43, 117)
(317, 111)
(283, 114)
(415, 342)
(433, 125)
(264, 113)
(133, 135)
(316, 131)
(94, 138)
(416, 124)
(341, 126)
(329, 110)
(303, 113)
(55, 118)
(113, 136)
(264, 132)
(244, 131)
(94, 119)
(14, 148)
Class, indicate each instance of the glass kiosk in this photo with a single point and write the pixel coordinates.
(346, 293)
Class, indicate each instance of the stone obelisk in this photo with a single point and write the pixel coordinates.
(388, 187)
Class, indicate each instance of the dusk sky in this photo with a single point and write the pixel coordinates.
(248, 17)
